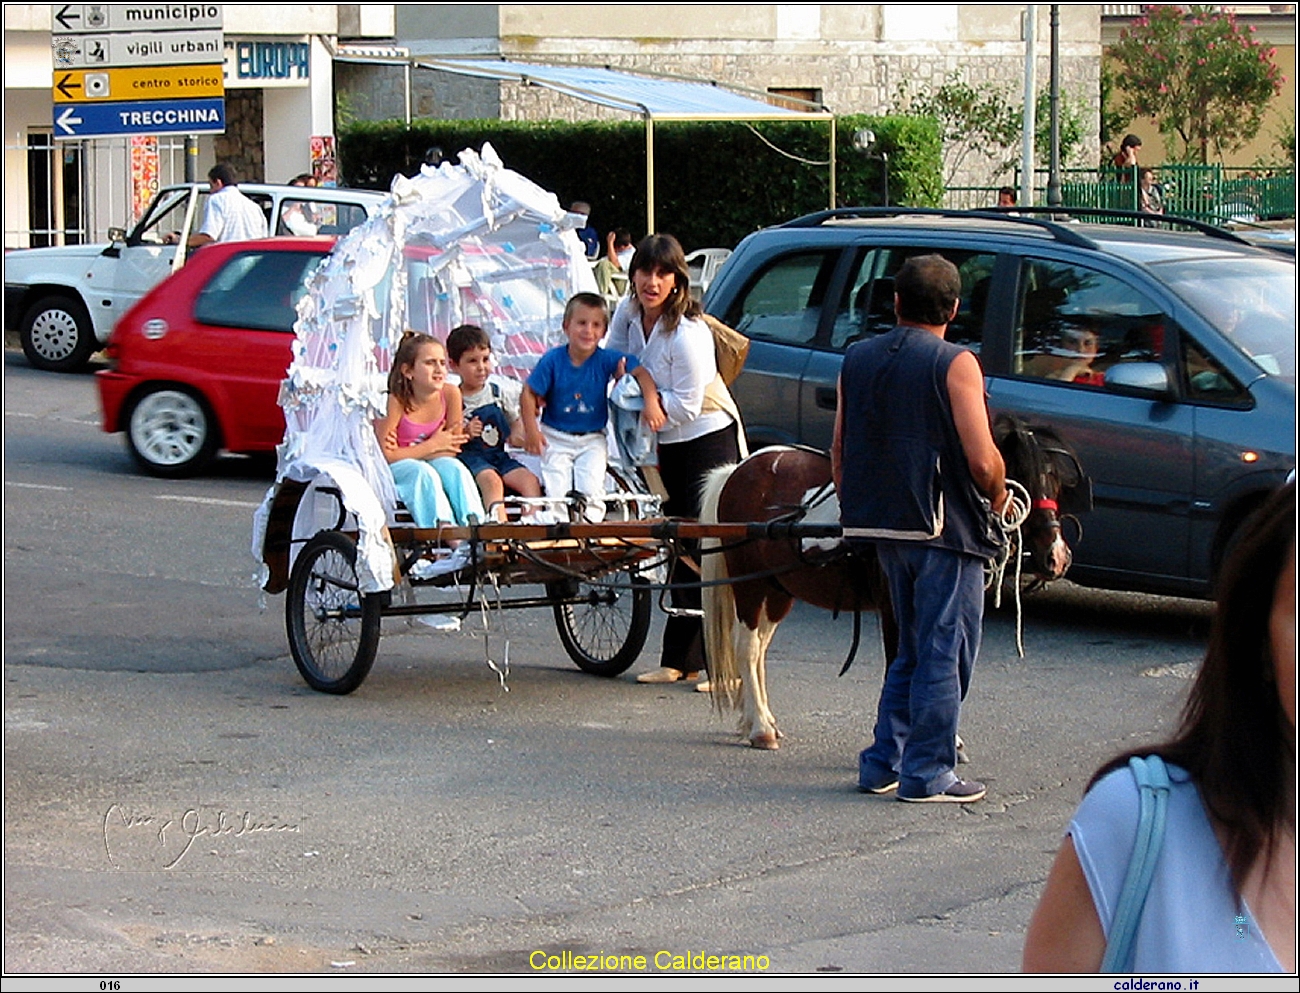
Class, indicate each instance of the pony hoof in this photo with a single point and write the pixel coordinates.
(767, 742)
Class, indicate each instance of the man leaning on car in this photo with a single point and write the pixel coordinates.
(229, 215)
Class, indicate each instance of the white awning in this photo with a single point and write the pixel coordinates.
(653, 97)
(660, 97)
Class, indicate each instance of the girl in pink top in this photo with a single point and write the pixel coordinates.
(417, 440)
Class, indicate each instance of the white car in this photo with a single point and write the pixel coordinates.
(64, 301)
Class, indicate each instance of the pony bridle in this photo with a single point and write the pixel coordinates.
(1058, 554)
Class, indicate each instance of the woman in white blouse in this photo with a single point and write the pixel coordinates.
(659, 323)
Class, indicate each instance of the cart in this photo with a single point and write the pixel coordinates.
(473, 243)
(595, 578)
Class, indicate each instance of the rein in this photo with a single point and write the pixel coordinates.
(1014, 513)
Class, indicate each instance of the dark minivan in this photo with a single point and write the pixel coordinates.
(1165, 358)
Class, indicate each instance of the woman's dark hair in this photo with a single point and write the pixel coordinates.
(408, 353)
(1131, 141)
(1234, 738)
(663, 251)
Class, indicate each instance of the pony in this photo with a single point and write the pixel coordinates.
(751, 585)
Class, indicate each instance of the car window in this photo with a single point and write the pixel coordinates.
(1207, 380)
(257, 290)
(1251, 301)
(167, 216)
(263, 200)
(784, 303)
(867, 307)
(1074, 323)
(309, 217)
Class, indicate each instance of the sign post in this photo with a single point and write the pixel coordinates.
(137, 69)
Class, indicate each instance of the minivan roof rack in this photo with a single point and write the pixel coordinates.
(1059, 232)
(1108, 213)
(1022, 215)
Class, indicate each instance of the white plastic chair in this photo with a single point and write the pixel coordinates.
(703, 264)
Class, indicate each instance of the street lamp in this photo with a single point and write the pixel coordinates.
(864, 140)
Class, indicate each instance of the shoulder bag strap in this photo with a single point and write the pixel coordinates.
(1153, 799)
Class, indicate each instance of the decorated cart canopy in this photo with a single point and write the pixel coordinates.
(470, 243)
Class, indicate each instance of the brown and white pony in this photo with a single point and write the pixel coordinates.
(751, 585)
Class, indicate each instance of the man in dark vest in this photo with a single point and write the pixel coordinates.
(917, 473)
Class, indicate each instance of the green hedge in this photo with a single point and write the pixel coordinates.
(715, 182)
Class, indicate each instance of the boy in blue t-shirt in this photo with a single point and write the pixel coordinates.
(571, 381)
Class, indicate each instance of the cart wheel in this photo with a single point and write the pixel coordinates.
(333, 629)
(606, 631)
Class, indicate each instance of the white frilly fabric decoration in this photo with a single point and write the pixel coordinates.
(471, 243)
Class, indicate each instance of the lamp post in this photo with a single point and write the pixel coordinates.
(864, 140)
(1054, 160)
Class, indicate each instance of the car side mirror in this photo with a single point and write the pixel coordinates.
(1147, 379)
(117, 234)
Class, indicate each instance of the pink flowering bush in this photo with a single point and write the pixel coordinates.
(1199, 75)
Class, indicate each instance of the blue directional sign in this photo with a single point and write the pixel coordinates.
(91, 120)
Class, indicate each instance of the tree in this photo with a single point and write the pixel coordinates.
(1070, 131)
(970, 118)
(987, 120)
(1199, 75)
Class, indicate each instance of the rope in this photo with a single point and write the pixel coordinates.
(503, 669)
(1014, 513)
(782, 151)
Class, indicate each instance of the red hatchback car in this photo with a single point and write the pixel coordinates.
(196, 365)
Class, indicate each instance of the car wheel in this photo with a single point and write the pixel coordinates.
(57, 334)
(170, 432)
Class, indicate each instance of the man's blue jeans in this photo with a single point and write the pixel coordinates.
(938, 600)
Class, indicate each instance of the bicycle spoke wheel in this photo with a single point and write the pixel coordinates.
(605, 630)
(333, 628)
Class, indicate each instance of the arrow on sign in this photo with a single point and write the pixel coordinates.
(63, 17)
(66, 120)
(66, 86)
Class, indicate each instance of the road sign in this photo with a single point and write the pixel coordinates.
(93, 18)
(146, 83)
(138, 49)
(89, 120)
(137, 69)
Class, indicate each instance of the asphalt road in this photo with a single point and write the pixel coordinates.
(177, 800)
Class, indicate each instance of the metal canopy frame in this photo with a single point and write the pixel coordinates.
(655, 98)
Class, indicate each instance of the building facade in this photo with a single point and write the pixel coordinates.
(279, 119)
(852, 58)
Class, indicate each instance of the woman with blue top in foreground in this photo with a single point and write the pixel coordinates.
(1222, 896)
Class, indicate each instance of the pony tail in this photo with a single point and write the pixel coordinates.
(408, 347)
(718, 600)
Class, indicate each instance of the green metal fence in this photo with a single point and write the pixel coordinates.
(1211, 193)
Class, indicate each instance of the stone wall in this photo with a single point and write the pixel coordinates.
(241, 145)
(854, 55)
(378, 93)
(850, 83)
